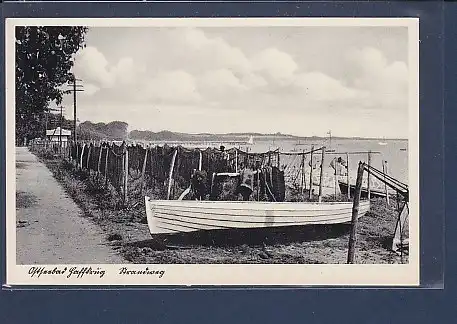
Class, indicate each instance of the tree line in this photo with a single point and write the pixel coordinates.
(44, 59)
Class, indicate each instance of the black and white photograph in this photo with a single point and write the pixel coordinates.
(212, 151)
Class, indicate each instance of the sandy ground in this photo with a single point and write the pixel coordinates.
(50, 227)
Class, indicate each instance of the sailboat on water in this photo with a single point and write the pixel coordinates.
(383, 142)
(251, 140)
(330, 149)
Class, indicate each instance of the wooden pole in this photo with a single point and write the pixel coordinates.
(258, 185)
(347, 176)
(82, 154)
(368, 177)
(311, 174)
(355, 213)
(99, 160)
(106, 165)
(60, 132)
(303, 181)
(46, 128)
(236, 160)
(126, 173)
(74, 110)
(143, 170)
(321, 180)
(88, 158)
(170, 174)
(384, 172)
(279, 161)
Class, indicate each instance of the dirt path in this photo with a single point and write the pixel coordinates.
(50, 228)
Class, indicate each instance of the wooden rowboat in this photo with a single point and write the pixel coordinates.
(374, 193)
(173, 216)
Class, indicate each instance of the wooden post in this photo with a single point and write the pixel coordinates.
(347, 176)
(88, 157)
(402, 218)
(236, 160)
(279, 161)
(126, 173)
(170, 174)
(82, 154)
(212, 185)
(75, 161)
(143, 170)
(321, 180)
(60, 131)
(106, 165)
(368, 177)
(355, 213)
(384, 172)
(74, 109)
(99, 160)
(311, 174)
(302, 182)
(258, 185)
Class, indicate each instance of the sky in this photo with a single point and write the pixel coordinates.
(295, 80)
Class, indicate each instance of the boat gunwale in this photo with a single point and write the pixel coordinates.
(326, 212)
(199, 203)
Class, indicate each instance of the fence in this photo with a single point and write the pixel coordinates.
(167, 170)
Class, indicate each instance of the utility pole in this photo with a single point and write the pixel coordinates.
(75, 88)
(60, 135)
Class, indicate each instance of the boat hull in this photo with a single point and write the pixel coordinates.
(364, 191)
(171, 216)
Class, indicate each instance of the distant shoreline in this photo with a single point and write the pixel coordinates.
(118, 130)
(216, 138)
(175, 136)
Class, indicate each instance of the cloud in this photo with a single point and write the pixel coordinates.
(220, 82)
(214, 51)
(92, 65)
(171, 86)
(277, 64)
(387, 82)
(252, 80)
(90, 89)
(320, 87)
(213, 72)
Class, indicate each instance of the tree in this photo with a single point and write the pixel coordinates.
(115, 130)
(44, 58)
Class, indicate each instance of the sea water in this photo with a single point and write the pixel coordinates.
(394, 152)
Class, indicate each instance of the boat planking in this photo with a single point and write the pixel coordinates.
(172, 216)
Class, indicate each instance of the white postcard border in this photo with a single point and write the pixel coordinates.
(215, 274)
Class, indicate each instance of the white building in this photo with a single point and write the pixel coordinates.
(54, 135)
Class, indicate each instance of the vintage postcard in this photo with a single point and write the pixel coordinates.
(246, 152)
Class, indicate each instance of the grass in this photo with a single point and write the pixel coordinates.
(126, 230)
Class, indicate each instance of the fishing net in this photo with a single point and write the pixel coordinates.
(293, 166)
(136, 158)
(103, 159)
(157, 168)
(115, 166)
(149, 168)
